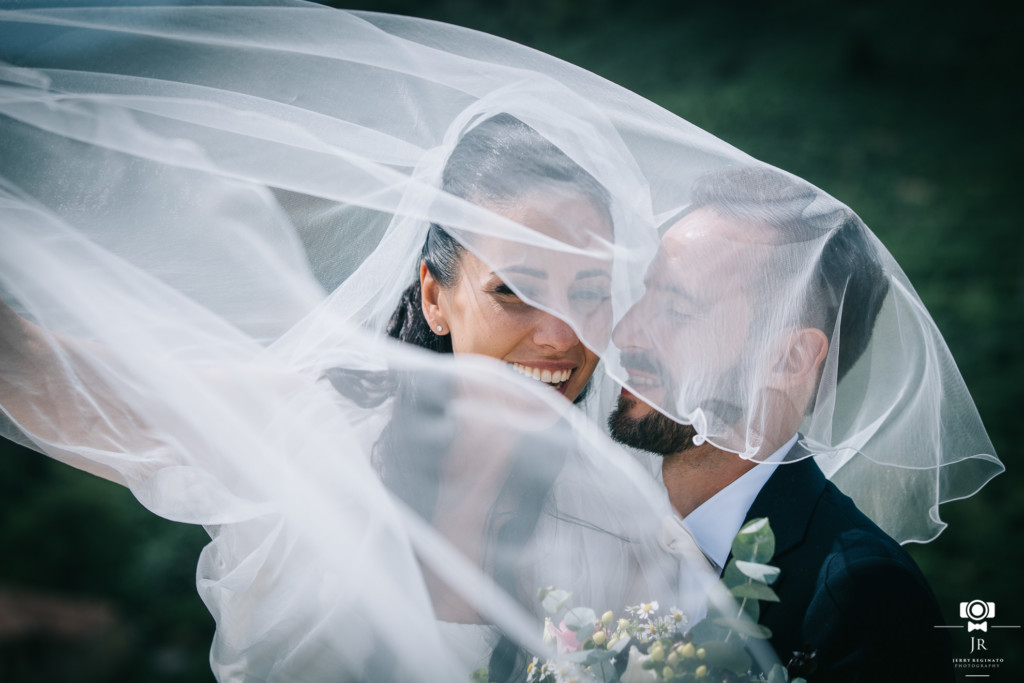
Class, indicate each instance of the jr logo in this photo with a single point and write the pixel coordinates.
(977, 612)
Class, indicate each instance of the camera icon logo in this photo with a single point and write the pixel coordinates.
(976, 612)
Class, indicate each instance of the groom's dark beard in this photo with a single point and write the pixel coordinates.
(658, 433)
(653, 432)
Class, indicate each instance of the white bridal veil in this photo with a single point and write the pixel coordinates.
(208, 216)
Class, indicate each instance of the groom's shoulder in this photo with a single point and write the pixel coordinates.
(863, 564)
(825, 537)
(854, 541)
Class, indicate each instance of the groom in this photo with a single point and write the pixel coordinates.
(853, 605)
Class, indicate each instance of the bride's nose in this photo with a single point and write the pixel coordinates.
(554, 333)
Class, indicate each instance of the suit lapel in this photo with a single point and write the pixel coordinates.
(788, 498)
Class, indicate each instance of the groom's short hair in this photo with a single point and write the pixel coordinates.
(848, 273)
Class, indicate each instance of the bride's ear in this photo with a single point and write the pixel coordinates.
(430, 298)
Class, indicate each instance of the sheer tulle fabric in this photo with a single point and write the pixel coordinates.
(209, 214)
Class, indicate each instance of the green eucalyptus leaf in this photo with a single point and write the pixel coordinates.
(597, 655)
(752, 610)
(578, 657)
(706, 631)
(579, 618)
(553, 599)
(754, 591)
(604, 671)
(755, 542)
(755, 526)
(765, 573)
(745, 627)
(731, 655)
(732, 576)
(778, 674)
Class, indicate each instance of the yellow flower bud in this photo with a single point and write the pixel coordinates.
(687, 650)
(657, 652)
(607, 617)
(600, 637)
(701, 653)
(701, 671)
(673, 659)
(623, 623)
(667, 673)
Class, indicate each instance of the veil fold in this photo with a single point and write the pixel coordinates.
(208, 214)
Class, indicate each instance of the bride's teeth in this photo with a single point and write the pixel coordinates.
(546, 376)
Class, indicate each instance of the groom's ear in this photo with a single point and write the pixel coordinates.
(798, 358)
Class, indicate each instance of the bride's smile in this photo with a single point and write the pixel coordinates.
(556, 377)
(486, 317)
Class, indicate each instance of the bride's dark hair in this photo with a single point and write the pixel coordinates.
(493, 164)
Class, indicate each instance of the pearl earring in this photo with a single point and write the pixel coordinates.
(439, 328)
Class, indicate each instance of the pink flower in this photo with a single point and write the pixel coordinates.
(565, 639)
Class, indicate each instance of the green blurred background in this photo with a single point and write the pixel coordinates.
(910, 112)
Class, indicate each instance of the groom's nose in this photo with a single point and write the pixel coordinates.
(633, 331)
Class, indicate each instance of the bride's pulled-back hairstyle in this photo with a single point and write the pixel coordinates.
(494, 164)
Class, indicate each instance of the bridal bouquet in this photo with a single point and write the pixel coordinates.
(645, 645)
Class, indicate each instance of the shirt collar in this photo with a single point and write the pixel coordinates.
(715, 523)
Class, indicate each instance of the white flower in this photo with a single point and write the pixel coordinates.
(564, 672)
(645, 610)
(635, 673)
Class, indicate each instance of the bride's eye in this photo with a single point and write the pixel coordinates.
(504, 293)
(502, 289)
(588, 298)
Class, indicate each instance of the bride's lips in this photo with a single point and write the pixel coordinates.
(554, 374)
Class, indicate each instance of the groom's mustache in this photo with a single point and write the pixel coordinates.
(641, 361)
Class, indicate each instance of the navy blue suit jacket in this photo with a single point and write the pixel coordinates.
(849, 593)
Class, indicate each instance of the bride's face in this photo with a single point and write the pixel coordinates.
(486, 317)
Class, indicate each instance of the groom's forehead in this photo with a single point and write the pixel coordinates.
(707, 254)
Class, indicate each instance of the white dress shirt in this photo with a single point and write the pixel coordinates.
(715, 523)
(703, 539)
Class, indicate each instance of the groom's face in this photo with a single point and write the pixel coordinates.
(685, 344)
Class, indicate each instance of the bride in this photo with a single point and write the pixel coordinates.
(209, 216)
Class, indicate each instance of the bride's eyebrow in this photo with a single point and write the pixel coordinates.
(596, 272)
(543, 275)
(523, 270)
